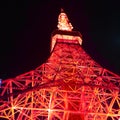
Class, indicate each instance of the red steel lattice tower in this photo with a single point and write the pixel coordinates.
(70, 85)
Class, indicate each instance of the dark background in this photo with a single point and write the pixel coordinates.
(26, 28)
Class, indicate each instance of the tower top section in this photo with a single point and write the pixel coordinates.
(63, 22)
(64, 33)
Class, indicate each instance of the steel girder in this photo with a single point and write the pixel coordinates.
(69, 85)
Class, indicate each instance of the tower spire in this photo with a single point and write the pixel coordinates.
(62, 10)
(63, 22)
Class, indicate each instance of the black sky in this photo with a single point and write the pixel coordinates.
(27, 26)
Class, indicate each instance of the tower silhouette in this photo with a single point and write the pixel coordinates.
(70, 85)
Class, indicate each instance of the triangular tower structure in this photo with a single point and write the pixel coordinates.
(70, 85)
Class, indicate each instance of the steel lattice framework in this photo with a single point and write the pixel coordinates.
(70, 85)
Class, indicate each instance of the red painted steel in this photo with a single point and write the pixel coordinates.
(70, 85)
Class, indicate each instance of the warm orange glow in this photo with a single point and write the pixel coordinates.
(63, 22)
(70, 85)
(69, 38)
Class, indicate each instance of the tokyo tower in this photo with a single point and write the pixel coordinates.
(70, 85)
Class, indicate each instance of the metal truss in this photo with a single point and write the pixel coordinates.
(70, 85)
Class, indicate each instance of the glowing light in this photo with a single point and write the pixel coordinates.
(70, 85)
(14, 107)
(69, 39)
(49, 114)
(63, 22)
(0, 82)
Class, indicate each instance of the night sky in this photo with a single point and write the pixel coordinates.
(26, 28)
